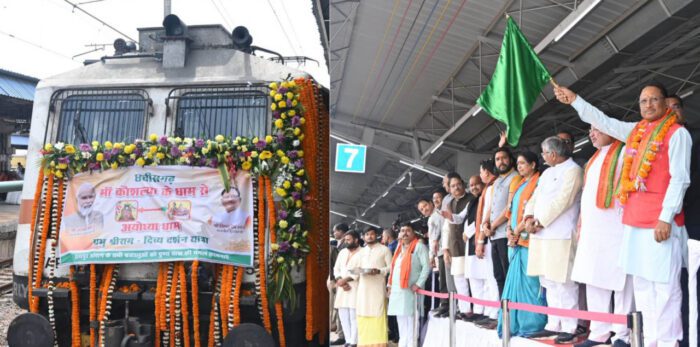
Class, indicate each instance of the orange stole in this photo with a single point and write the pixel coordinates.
(607, 184)
(405, 264)
(524, 197)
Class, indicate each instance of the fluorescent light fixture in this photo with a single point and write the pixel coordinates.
(368, 223)
(373, 204)
(341, 139)
(339, 214)
(420, 167)
(477, 111)
(364, 213)
(577, 150)
(401, 179)
(685, 95)
(415, 220)
(385, 194)
(578, 19)
(436, 147)
(581, 143)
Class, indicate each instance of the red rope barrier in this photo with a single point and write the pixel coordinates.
(586, 315)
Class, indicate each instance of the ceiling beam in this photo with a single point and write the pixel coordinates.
(672, 63)
(452, 102)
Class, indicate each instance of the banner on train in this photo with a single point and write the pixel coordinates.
(157, 214)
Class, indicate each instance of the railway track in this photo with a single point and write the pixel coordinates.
(5, 275)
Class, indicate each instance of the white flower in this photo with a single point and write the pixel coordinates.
(296, 143)
(298, 214)
(86, 155)
(59, 146)
(264, 165)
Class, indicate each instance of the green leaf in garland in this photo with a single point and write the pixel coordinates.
(224, 176)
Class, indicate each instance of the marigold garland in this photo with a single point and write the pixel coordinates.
(93, 300)
(75, 309)
(108, 281)
(33, 255)
(53, 239)
(185, 307)
(195, 301)
(261, 258)
(173, 296)
(642, 163)
(273, 240)
(42, 246)
(157, 303)
(224, 297)
(237, 297)
(230, 311)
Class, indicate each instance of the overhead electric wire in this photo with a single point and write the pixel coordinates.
(291, 25)
(432, 53)
(398, 56)
(213, 2)
(36, 45)
(282, 27)
(100, 20)
(376, 56)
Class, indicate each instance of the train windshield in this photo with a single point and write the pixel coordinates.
(93, 116)
(230, 111)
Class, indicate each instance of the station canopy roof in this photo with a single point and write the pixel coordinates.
(405, 75)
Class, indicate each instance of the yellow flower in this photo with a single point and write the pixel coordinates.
(48, 147)
(129, 149)
(95, 143)
(274, 246)
(255, 140)
(254, 154)
(285, 84)
(278, 97)
(295, 103)
(302, 120)
(280, 153)
(119, 145)
(153, 137)
(290, 95)
(265, 155)
(100, 157)
(297, 131)
(62, 166)
(268, 139)
(300, 154)
(298, 203)
(153, 149)
(70, 149)
(283, 224)
(246, 165)
(58, 173)
(114, 165)
(140, 162)
(205, 150)
(273, 85)
(121, 159)
(183, 160)
(282, 104)
(160, 156)
(272, 93)
(285, 160)
(281, 192)
(286, 184)
(292, 113)
(297, 186)
(108, 145)
(278, 123)
(280, 260)
(300, 172)
(301, 137)
(273, 106)
(296, 245)
(219, 138)
(244, 148)
(292, 84)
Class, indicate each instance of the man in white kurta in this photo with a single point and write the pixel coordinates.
(375, 261)
(346, 284)
(600, 242)
(552, 215)
(653, 255)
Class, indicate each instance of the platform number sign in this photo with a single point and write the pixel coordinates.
(350, 158)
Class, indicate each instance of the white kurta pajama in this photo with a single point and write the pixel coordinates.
(457, 269)
(555, 203)
(402, 301)
(371, 296)
(345, 301)
(597, 253)
(654, 265)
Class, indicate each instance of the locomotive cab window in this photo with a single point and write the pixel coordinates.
(101, 115)
(230, 111)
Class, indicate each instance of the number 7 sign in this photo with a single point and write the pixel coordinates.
(350, 158)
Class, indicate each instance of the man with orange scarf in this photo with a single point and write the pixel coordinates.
(655, 175)
(600, 241)
(409, 270)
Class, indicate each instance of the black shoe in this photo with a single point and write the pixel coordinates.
(564, 338)
(442, 315)
(544, 333)
(620, 343)
(440, 309)
(338, 342)
(589, 343)
(490, 325)
(482, 320)
(471, 317)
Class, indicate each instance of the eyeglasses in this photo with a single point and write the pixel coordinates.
(653, 100)
(567, 141)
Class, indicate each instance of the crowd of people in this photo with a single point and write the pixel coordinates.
(604, 235)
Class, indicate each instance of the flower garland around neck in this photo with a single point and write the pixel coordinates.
(634, 179)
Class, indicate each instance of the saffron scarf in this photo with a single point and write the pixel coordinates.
(530, 185)
(609, 178)
(405, 264)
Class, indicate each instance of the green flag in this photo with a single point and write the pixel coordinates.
(517, 81)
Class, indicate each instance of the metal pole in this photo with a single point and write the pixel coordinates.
(505, 326)
(634, 322)
(453, 312)
(416, 321)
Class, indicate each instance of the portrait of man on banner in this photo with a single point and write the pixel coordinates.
(86, 220)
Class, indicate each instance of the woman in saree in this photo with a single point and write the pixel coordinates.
(520, 287)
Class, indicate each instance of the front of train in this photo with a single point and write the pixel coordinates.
(177, 194)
